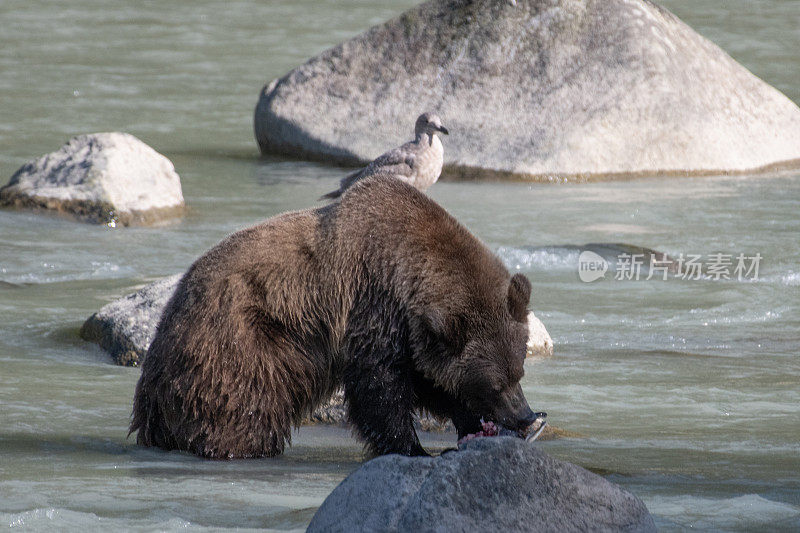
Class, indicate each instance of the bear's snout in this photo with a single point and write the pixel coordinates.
(515, 414)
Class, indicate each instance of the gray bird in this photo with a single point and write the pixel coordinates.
(418, 162)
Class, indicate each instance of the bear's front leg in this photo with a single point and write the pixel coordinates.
(380, 405)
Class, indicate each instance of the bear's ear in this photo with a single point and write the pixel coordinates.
(519, 294)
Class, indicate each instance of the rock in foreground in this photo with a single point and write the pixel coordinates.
(106, 178)
(491, 484)
(543, 88)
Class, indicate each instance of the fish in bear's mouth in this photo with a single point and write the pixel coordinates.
(490, 429)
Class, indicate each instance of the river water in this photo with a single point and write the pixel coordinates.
(684, 391)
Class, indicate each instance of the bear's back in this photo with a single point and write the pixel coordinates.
(394, 223)
(272, 265)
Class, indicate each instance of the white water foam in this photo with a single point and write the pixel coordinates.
(49, 519)
(57, 273)
(57, 519)
(555, 258)
(741, 512)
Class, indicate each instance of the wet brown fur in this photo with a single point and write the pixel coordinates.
(383, 293)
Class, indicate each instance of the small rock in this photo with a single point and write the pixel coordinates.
(126, 327)
(539, 342)
(105, 178)
(490, 484)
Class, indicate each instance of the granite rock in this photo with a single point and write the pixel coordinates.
(490, 484)
(540, 90)
(106, 178)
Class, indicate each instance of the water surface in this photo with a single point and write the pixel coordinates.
(686, 391)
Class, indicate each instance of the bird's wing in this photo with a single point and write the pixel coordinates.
(399, 162)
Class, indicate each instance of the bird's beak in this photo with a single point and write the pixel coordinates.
(443, 130)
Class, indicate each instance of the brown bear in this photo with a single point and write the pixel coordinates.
(383, 293)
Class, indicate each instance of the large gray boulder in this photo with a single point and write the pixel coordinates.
(106, 178)
(543, 88)
(490, 484)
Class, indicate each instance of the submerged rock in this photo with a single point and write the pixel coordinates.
(614, 252)
(490, 484)
(537, 90)
(106, 178)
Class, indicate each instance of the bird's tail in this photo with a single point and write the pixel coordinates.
(331, 195)
(346, 182)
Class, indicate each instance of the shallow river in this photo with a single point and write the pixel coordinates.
(685, 391)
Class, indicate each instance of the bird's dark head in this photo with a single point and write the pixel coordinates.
(429, 123)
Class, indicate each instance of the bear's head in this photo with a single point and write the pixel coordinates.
(474, 355)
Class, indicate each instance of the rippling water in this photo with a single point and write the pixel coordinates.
(685, 391)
